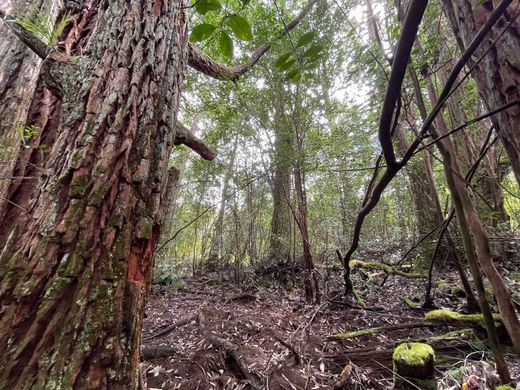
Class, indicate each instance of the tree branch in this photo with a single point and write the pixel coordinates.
(392, 170)
(184, 136)
(200, 61)
(399, 64)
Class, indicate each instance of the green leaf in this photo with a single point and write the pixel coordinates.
(282, 60)
(313, 51)
(287, 65)
(306, 38)
(294, 75)
(201, 32)
(240, 27)
(205, 6)
(225, 45)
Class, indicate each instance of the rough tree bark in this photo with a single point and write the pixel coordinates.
(497, 75)
(75, 269)
(19, 72)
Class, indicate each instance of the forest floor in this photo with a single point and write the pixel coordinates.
(216, 334)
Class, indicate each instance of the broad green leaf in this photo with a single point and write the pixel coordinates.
(306, 38)
(205, 6)
(294, 75)
(287, 65)
(313, 51)
(225, 45)
(311, 65)
(240, 27)
(282, 60)
(201, 32)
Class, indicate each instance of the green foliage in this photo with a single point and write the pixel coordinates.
(220, 21)
(240, 27)
(225, 45)
(205, 6)
(26, 133)
(43, 27)
(300, 58)
(202, 32)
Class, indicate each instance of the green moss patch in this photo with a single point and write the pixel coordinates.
(448, 315)
(413, 354)
(384, 267)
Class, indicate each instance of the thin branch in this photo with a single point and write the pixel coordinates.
(200, 61)
(392, 170)
(469, 123)
(186, 137)
(399, 64)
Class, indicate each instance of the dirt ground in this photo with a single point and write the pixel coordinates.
(212, 333)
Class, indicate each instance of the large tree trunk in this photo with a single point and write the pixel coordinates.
(19, 72)
(497, 75)
(76, 267)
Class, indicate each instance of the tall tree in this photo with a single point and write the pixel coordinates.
(76, 266)
(496, 63)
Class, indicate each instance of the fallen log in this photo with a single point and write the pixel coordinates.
(148, 353)
(383, 353)
(380, 329)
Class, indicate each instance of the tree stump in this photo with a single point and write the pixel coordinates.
(414, 362)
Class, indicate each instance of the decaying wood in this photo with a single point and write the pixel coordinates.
(383, 353)
(290, 347)
(380, 329)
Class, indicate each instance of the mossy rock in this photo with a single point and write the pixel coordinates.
(505, 387)
(414, 362)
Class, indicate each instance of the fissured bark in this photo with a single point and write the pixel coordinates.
(76, 266)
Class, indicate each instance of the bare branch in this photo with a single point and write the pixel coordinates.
(185, 136)
(200, 61)
(392, 170)
(399, 64)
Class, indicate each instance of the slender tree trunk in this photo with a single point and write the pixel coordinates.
(497, 76)
(467, 215)
(76, 267)
(280, 224)
(311, 285)
(215, 251)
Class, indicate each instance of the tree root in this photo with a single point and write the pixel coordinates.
(169, 329)
(231, 357)
(148, 353)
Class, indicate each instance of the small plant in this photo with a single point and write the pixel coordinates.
(42, 26)
(26, 132)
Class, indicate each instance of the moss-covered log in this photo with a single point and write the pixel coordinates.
(414, 365)
(387, 268)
